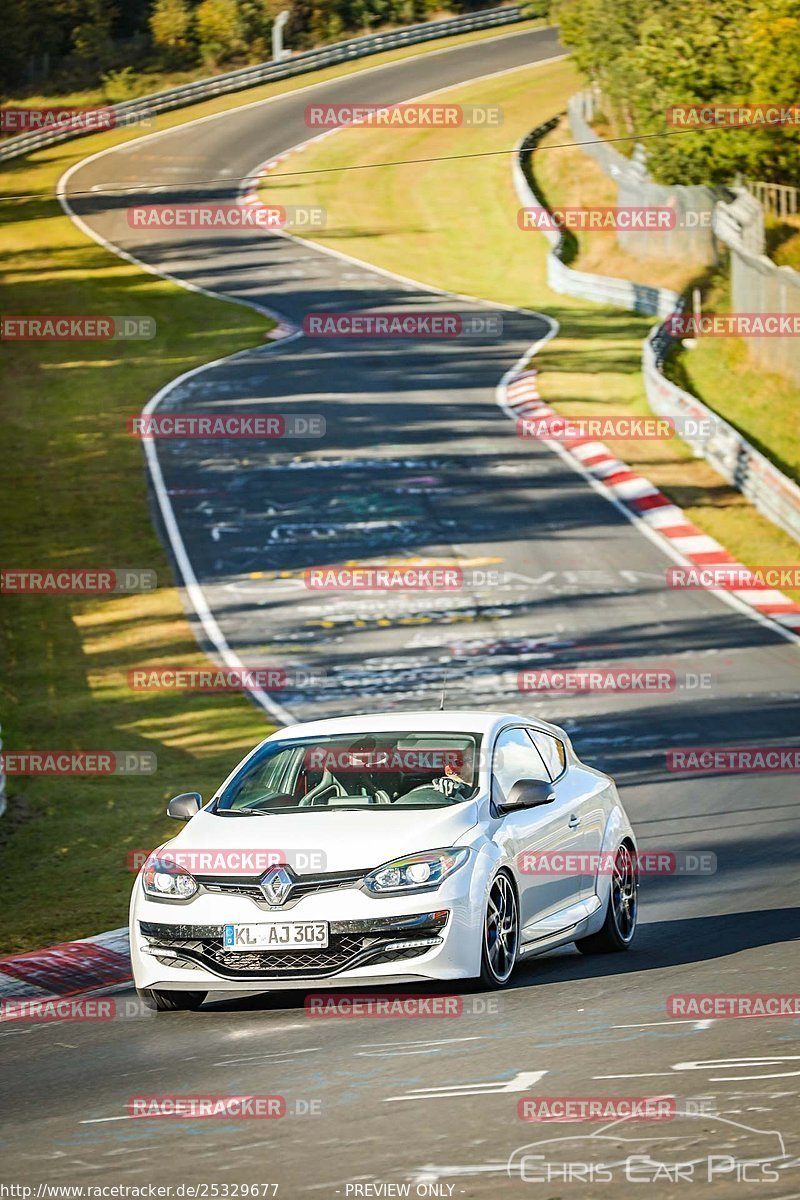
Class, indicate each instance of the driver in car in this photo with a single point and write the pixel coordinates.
(452, 783)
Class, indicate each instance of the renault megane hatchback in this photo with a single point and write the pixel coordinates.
(396, 848)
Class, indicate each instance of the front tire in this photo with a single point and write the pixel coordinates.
(500, 934)
(619, 928)
(170, 1001)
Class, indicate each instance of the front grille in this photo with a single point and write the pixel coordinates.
(304, 885)
(351, 944)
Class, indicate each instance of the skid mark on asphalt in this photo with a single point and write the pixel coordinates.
(279, 1056)
(404, 1049)
(704, 1023)
(519, 1082)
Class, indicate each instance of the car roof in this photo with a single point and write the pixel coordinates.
(467, 720)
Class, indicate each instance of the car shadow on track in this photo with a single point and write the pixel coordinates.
(670, 944)
(658, 945)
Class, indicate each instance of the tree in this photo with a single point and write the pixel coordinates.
(170, 28)
(689, 54)
(256, 18)
(91, 39)
(219, 30)
(772, 42)
(669, 53)
(603, 39)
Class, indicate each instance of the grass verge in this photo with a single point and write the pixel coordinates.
(452, 224)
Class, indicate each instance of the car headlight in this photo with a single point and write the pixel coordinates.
(416, 872)
(166, 881)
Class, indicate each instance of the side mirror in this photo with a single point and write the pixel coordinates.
(527, 793)
(184, 807)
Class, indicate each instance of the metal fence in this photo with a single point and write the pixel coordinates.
(758, 285)
(777, 198)
(129, 112)
(691, 234)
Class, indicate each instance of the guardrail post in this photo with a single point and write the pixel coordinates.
(278, 27)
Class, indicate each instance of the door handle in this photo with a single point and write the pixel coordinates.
(574, 821)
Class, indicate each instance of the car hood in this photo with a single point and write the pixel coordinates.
(331, 840)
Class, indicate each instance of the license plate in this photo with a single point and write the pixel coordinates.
(278, 935)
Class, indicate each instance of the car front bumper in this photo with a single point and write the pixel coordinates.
(433, 935)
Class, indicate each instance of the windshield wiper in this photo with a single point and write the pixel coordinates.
(250, 812)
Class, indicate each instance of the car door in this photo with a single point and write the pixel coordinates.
(581, 792)
(526, 834)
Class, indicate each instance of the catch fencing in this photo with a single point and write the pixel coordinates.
(759, 285)
(692, 234)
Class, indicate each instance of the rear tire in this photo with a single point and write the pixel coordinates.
(619, 928)
(170, 1001)
(500, 940)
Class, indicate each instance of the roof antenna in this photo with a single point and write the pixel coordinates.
(444, 692)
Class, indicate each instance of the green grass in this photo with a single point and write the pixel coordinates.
(452, 224)
(783, 240)
(75, 495)
(434, 220)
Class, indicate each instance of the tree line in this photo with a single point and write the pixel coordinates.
(650, 55)
(61, 45)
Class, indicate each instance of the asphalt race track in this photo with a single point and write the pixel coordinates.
(419, 459)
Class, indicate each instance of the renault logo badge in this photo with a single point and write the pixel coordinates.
(276, 885)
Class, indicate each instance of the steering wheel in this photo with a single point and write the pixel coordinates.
(426, 794)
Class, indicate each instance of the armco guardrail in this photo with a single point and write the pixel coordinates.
(131, 111)
(601, 289)
(772, 493)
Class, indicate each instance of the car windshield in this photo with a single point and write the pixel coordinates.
(348, 771)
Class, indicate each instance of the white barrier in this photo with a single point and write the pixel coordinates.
(601, 289)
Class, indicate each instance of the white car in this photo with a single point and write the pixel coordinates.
(385, 849)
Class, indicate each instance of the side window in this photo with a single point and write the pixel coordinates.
(552, 751)
(515, 758)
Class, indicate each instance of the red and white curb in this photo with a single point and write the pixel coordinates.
(642, 499)
(68, 969)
